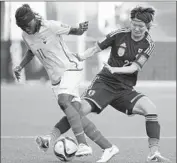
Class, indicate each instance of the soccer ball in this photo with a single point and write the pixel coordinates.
(65, 149)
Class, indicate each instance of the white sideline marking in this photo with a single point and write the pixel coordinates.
(140, 83)
(109, 137)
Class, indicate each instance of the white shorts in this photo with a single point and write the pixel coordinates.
(69, 84)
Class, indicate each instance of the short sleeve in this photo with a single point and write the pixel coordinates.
(27, 45)
(106, 42)
(59, 27)
(143, 57)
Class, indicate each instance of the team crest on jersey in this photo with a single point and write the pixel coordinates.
(121, 50)
(140, 50)
(91, 92)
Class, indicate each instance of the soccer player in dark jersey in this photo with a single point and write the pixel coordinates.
(130, 50)
(113, 85)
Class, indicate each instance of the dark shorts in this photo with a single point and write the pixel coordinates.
(100, 94)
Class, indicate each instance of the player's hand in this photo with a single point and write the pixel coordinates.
(17, 72)
(84, 26)
(78, 57)
(111, 69)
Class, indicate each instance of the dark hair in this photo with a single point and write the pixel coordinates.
(144, 14)
(25, 14)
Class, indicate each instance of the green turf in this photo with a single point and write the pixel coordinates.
(32, 110)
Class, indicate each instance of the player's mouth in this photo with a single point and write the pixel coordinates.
(137, 33)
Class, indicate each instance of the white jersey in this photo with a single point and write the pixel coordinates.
(49, 47)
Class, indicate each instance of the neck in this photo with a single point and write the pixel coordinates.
(137, 38)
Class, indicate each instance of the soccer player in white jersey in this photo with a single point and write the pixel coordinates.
(43, 39)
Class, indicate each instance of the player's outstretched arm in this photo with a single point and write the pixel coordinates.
(88, 53)
(123, 70)
(79, 31)
(27, 58)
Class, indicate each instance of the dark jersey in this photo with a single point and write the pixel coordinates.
(124, 52)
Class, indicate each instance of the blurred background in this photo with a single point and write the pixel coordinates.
(103, 17)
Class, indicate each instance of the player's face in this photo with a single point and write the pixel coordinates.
(138, 28)
(30, 28)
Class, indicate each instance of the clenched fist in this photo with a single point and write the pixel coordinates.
(84, 26)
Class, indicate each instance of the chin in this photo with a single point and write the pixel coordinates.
(137, 35)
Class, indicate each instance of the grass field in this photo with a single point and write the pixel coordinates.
(30, 110)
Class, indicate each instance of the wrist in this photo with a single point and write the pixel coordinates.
(20, 67)
(115, 70)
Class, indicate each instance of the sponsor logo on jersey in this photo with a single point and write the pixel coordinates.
(121, 49)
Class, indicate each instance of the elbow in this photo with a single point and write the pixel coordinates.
(134, 69)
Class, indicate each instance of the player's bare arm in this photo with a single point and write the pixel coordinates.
(27, 58)
(88, 53)
(123, 70)
(79, 31)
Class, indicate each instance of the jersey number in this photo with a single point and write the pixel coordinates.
(41, 54)
(127, 63)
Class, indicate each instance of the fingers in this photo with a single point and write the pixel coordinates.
(17, 75)
(17, 71)
(84, 25)
(77, 56)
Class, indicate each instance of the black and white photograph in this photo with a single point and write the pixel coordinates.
(88, 82)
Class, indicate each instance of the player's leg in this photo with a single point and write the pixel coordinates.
(146, 107)
(65, 92)
(89, 128)
(65, 103)
(132, 102)
(73, 120)
(68, 90)
(99, 95)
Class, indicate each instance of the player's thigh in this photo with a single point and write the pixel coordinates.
(126, 101)
(69, 84)
(98, 95)
(144, 106)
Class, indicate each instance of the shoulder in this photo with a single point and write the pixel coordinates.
(24, 35)
(149, 41)
(48, 23)
(149, 44)
(122, 31)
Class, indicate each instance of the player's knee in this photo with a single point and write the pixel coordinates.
(150, 108)
(89, 128)
(86, 107)
(64, 101)
(145, 106)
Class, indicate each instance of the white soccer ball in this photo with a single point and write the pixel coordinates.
(65, 149)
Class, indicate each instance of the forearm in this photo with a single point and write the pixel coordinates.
(27, 58)
(76, 31)
(126, 70)
(89, 52)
